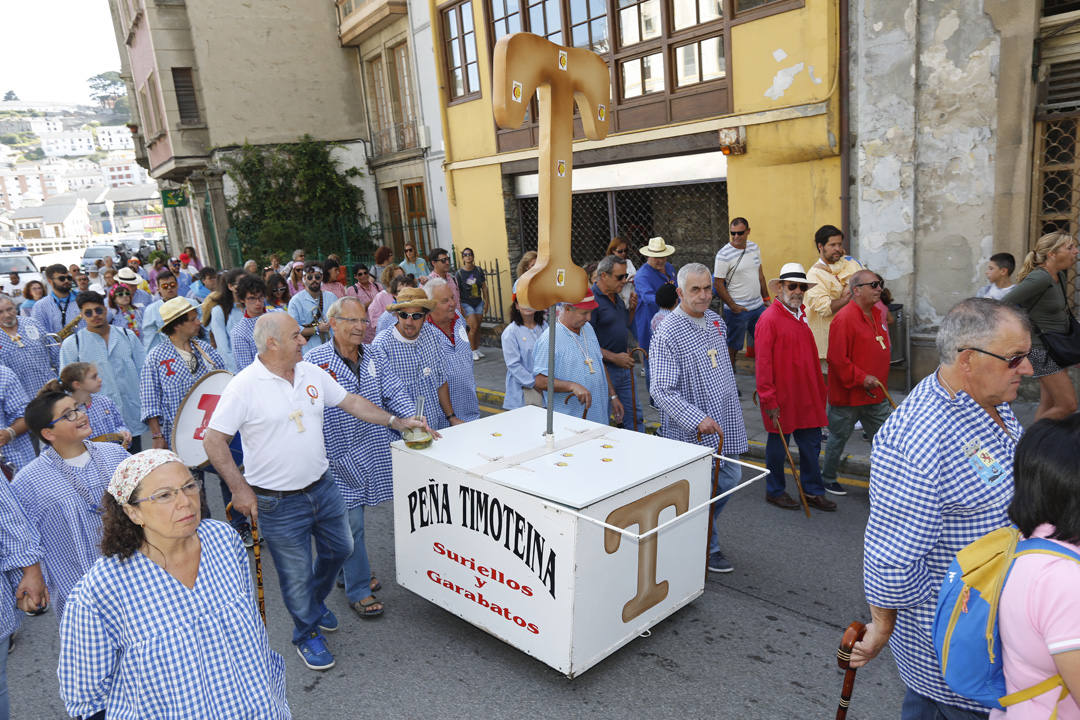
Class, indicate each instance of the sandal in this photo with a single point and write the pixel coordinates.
(369, 608)
(375, 585)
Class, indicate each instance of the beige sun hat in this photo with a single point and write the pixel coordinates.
(411, 297)
(175, 308)
(657, 248)
(127, 276)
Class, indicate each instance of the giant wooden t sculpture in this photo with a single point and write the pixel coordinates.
(526, 64)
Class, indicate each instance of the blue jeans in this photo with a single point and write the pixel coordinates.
(739, 325)
(919, 707)
(621, 379)
(842, 421)
(357, 569)
(288, 524)
(808, 441)
(729, 476)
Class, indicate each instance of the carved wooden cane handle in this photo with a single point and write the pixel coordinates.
(852, 635)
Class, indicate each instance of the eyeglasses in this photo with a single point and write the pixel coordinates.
(91, 312)
(1012, 363)
(410, 316)
(70, 415)
(737, 233)
(362, 321)
(621, 277)
(876, 284)
(164, 496)
(796, 286)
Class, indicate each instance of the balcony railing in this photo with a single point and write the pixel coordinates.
(360, 18)
(395, 138)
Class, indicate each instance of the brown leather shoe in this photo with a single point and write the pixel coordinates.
(821, 503)
(783, 501)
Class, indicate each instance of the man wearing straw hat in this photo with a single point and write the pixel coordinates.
(139, 297)
(791, 390)
(412, 347)
(859, 356)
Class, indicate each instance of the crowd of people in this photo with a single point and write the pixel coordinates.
(106, 525)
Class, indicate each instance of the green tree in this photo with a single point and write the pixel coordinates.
(296, 196)
(107, 88)
(10, 96)
(34, 154)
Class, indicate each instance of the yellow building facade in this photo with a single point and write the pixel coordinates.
(720, 108)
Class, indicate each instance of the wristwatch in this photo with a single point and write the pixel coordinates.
(390, 422)
(613, 397)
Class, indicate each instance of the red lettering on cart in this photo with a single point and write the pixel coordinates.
(207, 403)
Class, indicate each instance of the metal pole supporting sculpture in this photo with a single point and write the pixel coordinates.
(526, 64)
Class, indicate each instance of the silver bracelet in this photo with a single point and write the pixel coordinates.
(11, 432)
(390, 422)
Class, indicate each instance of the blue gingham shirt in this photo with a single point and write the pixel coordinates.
(460, 377)
(53, 314)
(151, 323)
(386, 320)
(104, 416)
(120, 319)
(358, 451)
(687, 388)
(570, 365)
(242, 340)
(941, 476)
(165, 379)
(118, 364)
(13, 399)
(20, 546)
(36, 361)
(304, 308)
(138, 644)
(63, 503)
(221, 328)
(420, 365)
(518, 342)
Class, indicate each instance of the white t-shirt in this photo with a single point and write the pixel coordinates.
(280, 425)
(742, 276)
(993, 292)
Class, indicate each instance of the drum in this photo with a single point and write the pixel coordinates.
(193, 417)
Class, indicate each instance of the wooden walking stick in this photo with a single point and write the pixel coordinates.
(712, 494)
(852, 635)
(633, 391)
(259, 595)
(794, 470)
(584, 407)
(887, 395)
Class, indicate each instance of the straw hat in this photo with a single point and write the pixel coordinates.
(793, 272)
(127, 276)
(657, 248)
(411, 297)
(173, 309)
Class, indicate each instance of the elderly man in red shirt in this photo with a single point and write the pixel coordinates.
(790, 389)
(858, 358)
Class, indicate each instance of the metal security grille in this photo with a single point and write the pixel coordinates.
(1057, 7)
(692, 217)
(1057, 183)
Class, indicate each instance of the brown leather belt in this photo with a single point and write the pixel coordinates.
(282, 493)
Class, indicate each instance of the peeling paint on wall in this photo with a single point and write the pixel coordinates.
(779, 55)
(782, 81)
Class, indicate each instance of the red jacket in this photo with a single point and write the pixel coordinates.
(857, 348)
(788, 371)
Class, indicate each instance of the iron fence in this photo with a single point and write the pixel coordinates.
(395, 138)
(1057, 185)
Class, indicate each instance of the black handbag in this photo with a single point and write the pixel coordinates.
(1062, 347)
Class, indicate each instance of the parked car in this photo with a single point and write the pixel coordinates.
(18, 260)
(99, 252)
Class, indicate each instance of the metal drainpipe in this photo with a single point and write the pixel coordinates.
(845, 120)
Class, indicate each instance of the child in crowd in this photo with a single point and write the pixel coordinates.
(999, 272)
(666, 299)
(81, 381)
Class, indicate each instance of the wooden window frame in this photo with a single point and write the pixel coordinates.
(771, 7)
(451, 43)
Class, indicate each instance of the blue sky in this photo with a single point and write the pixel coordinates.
(50, 48)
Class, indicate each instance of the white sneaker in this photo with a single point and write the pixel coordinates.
(480, 354)
(858, 425)
(475, 355)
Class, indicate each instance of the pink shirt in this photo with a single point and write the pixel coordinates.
(1039, 616)
(366, 296)
(378, 306)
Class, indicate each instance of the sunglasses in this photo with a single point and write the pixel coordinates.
(620, 251)
(1012, 363)
(281, 290)
(876, 284)
(737, 233)
(313, 276)
(62, 278)
(410, 316)
(167, 286)
(621, 277)
(118, 293)
(466, 254)
(361, 273)
(444, 259)
(796, 286)
(91, 312)
(409, 250)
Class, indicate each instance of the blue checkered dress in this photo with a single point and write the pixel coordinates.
(221, 328)
(242, 339)
(687, 388)
(118, 365)
(386, 320)
(20, 546)
(420, 365)
(138, 644)
(34, 362)
(459, 370)
(63, 503)
(165, 379)
(151, 323)
(570, 365)
(48, 313)
(20, 451)
(930, 495)
(359, 452)
(104, 416)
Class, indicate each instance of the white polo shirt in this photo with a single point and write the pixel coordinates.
(280, 425)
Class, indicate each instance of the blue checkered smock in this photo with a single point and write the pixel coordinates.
(63, 503)
(305, 308)
(359, 452)
(20, 546)
(460, 377)
(420, 365)
(138, 644)
(242, 340)
(930, 495)
(151, 323)
(570, 365)
(221, 328)
(104, 416)
(118, 365)
(386, 320)
(53, 314)
(165, 379)
(13, 399)
(687, 388)
(33, 358)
